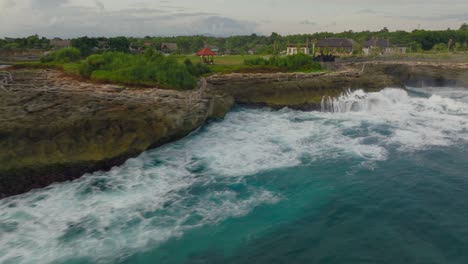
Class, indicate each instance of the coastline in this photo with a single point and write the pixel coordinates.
(60, 128)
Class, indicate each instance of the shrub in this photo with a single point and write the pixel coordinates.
(290, 63)
(65, 55)
(440, 47)
(256, 61)
(197, 69)
(150, 68)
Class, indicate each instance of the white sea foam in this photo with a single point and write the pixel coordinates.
(414, 122)
(185, 185)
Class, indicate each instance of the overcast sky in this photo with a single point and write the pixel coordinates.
(72, 18)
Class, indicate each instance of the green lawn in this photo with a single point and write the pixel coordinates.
(234, 64)
(229, 63)
(221, 60)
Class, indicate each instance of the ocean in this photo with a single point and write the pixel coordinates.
(372, 178)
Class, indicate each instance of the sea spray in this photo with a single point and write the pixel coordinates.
(358, 100)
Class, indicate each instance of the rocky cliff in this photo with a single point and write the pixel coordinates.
(56, 129)
(302, 91)
(419, 74)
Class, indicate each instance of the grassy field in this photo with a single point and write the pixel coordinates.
(230, 63)
(235, 64)
(221, 60)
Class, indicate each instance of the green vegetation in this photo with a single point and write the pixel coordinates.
(65, 55)
(85, 45)
(151, 68)
(299, 62)
(120, 44)
(464, 26)
(220, 60)
(31, 42)
(257, 64)
(155, 69)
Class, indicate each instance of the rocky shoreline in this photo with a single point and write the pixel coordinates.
(54, 128)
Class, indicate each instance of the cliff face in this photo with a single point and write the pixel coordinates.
(54, 129)
(420, 74)
(297, 91)
(305, 91)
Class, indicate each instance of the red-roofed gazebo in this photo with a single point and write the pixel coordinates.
(207, 55)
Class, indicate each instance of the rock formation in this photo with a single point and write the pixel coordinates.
(56, 129)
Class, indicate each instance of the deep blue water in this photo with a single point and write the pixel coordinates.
(381, 179)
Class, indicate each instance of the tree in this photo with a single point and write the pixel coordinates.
(384, 30)
(464, 26)
(85, 45)
(33, 42)
(121, 44)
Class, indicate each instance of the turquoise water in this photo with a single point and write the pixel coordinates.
(374, 178)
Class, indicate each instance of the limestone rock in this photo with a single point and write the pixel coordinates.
(56, 129)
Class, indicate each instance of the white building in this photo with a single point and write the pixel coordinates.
(296, 49)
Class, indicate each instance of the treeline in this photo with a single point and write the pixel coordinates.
(31, 42)
(416, 41)
(88, 46)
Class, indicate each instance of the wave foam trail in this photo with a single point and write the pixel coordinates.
(360, 101)
(196, 182)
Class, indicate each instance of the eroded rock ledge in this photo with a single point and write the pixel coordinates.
(302, 91)
(56, 129)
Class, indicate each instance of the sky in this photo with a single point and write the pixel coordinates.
(73, 18)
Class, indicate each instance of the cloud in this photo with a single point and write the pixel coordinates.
(456, 16)
(224, 26)
(99, 4)
(367, 11)
(44, 4)
(460, 17)
(9, 4)
(71, 18)
(308, 22)
(63, 19)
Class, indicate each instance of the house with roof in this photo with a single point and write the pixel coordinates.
(377, 46)
(293, 49)
(148, 44)
(334, 46)
(58, 43)
(168, 47)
